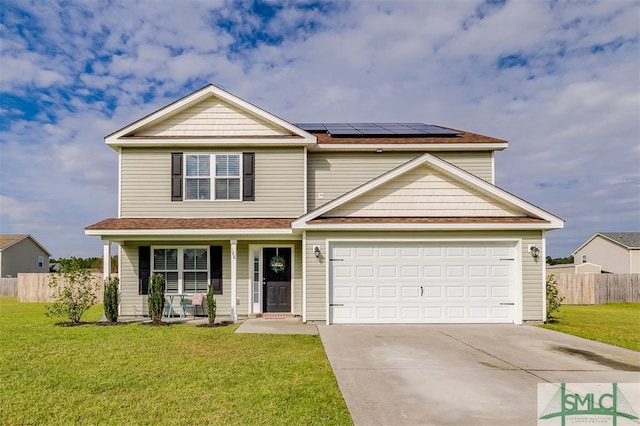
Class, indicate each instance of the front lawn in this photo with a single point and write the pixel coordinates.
(615, 323)
(179, 374)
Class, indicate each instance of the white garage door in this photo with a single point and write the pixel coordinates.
(434, 282)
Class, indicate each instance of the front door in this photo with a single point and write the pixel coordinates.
(276, 279)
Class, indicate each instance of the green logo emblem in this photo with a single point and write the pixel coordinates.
(585, 403)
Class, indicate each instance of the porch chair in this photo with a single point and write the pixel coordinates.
(196, 301)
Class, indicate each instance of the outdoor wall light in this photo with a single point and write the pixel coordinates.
(535, 251)
(316, 251)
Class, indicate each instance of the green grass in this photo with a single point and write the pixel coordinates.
(615, 323)
(179, 374)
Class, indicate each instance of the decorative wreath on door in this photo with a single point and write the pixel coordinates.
(277, 264)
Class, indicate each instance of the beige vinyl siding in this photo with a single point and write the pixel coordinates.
(533, 279)
(424, 192)
(532, 270)
(146, 186)
(479, 163)
(331, 174)
(212, 117)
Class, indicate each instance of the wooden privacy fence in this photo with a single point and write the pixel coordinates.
(8, 286)
(34, 287)
(595, 289)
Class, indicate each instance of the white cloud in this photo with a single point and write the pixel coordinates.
(570, 109)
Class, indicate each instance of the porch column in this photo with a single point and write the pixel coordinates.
(106, 259)
(234, 284)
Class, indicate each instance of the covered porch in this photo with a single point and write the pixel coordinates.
(254, 266)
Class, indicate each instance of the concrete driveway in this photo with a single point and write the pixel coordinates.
(462, 374)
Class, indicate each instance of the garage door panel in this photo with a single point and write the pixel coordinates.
(388, 292)
(455, 291)
(343, 271)
(431, 292)
(432, 272)
(422, 282)
(410, 271)
(476, 292)
(365, 271)
(367, 292)
(410, 292)
(478, 271)
(455, 271)
(479, 312)
(410, 313)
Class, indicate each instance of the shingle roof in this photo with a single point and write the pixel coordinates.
(627, 239)
(461, 138)
(9, 240)
(191, 223)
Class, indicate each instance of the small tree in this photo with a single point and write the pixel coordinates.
(156, 297)
(211, 306)
(553, 298)
(111, 299)
(74, 291)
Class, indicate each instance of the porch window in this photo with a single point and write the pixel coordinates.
(195, 270)
(225, 175)
(165, 263)
(185, 270)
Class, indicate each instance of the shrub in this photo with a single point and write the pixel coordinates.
(553, 299)
(74, 292)
(156, 297)
(211, 306)
(111, 299)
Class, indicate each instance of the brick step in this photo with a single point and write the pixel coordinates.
(272, 315)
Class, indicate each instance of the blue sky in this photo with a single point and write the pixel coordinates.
(559, 80)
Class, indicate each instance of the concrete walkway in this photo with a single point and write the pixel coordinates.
(463, 374)
(276, 326)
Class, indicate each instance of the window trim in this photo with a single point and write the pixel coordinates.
(181, 270)
(212, 176)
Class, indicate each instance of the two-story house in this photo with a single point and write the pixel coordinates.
(334, 222)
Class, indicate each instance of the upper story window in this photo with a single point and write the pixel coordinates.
(225, 176)
(40, 261)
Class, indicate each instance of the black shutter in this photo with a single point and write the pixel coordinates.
(248, 176)
(144, 269)
(176, 176)
(215, 253)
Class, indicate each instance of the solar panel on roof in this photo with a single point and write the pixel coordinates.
(377, 129)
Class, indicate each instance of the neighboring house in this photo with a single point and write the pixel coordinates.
(570, 268)
(337, 223)
(615, 252)
(22, 253)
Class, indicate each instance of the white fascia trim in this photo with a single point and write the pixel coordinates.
(163, 143)
(202, 93)
(544, 277)
(304, 276)
(555, 222)
(427, 226)
(119, 183)
(186, 232)
(411, 147)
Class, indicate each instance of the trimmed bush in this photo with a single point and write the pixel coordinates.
(156, 297)
(111, 299)
(211, 306)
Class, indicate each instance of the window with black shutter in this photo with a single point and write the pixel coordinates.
(248, 176)
(176, 176)
(144, 269)
(216, 268)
